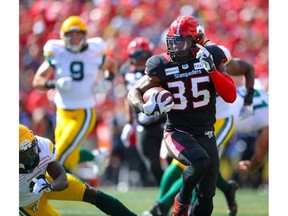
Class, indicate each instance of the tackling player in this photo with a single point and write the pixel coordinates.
(75, 62)
(42, 177)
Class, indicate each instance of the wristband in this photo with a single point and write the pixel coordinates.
(50, 84)
(248, 99)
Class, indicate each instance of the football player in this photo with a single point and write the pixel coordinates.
(257, 123)
(224, 128)
(75, 62)
(148, 129)
(195, 75)
(43, 178)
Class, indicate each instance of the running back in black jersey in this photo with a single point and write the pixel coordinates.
(192, 88)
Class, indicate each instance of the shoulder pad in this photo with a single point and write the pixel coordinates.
(226, 52)
(51, 47)
(97, 44)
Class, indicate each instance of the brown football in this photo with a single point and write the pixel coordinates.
(161, 94)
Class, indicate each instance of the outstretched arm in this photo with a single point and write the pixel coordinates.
(238, 67)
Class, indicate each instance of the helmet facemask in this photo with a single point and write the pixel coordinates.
(182, 36)
(29, 157)
(69, 43)
(181, 49)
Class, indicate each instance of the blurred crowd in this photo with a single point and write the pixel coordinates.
(240, 25)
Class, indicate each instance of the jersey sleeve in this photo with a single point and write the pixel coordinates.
(218, 55)
(226, 52)
(47, 148)
(153, 66)
(98, 44)
(50, 50)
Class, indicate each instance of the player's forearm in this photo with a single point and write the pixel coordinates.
(224, 86)
(135, 99)
(60, 183)
(255, 164)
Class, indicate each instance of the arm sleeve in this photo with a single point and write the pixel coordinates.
(224, 85)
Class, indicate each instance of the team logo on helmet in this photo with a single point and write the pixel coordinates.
(183, 35)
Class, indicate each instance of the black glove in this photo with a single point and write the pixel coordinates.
(248, 99)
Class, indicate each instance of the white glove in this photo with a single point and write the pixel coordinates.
(127, 132)
(246, 111)
(206, 59)
(41, 185)
(151, 107)
(64, 83)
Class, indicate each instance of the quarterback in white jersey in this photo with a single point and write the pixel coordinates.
(76, 63)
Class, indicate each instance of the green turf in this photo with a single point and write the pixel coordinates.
(250, 202)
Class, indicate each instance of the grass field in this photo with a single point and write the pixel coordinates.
(250, 202)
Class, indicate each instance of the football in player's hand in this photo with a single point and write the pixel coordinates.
(161, 94)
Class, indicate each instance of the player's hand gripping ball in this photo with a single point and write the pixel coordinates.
(157, 101)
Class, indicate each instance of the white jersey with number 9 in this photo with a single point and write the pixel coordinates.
(83, 67)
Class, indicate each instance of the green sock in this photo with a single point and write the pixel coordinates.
(169, 183)
(168, 197)
(194, 197)
(221, 183)
(111, 206)
(85, 155)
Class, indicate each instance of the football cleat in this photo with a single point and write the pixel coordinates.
(179, 208)
(158, 209)
(230, 197)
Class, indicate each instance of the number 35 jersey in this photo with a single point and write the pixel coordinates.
(83, 67)
(192, 88)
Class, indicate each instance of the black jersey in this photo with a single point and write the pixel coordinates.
(192, 88)
(130, 74)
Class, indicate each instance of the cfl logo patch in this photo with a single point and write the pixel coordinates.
(209, 134)
(198, 65)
